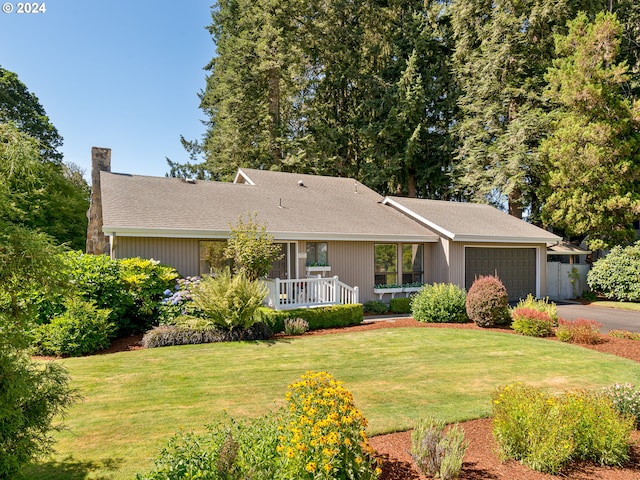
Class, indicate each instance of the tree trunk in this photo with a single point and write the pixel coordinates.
(274, 113)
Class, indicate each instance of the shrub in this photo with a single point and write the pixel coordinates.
(333, 316)
(229, 302)
(624, 334)
(548, 432)
(400, 305)
(33, 395)
(616, 275)
(436, 453)
(179, 302)
(295, 326)
(487, 302)
(326, 435)
(169, 335)
(81, 330)
(625, 399)
(578, 331)
(376, 306)
(540, 305)
(438, 303)
(530, 322)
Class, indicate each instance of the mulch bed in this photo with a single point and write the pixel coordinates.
(480, 461)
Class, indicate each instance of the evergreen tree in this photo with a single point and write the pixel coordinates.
(594, 151)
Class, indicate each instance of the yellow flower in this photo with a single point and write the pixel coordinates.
(311, 467)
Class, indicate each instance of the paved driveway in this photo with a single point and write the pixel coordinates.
(610, 318)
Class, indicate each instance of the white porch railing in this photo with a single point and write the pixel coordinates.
(308, 292)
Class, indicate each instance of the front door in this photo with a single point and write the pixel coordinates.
(285, 267)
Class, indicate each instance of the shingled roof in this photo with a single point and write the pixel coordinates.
(292, 206)
(470, 222)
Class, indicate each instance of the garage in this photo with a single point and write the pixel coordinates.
(516, 267)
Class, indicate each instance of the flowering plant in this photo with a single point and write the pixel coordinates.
(179, 302)
(325, 437)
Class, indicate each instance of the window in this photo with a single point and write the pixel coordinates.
(386, 263)
(412, 263)
(317, 254)
(212, 256)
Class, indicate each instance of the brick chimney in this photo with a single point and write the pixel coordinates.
(97, 242)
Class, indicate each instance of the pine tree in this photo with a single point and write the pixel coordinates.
(594, 150)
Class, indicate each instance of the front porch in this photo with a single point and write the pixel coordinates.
(309, 292)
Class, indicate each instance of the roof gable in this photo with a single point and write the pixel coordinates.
(471, 222)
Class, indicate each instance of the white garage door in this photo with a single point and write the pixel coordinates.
(516, 267)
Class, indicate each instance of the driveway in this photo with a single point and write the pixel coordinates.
(610, 318)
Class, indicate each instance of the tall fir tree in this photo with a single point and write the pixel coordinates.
(593, 153)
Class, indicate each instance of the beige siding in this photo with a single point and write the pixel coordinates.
(182, 254)
(439, 262)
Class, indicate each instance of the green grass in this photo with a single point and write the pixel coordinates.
(133, 401)
(612, 304)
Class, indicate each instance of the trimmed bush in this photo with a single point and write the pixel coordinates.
(530, 322)
(616, 275)
(400, 305)
(578, 331)
(169, 335)
(541, 305)
(333, 316)
(437, 453)
(439, 303)
(487, 302)
(229, 302)
(81, 330)
(376, 306)
(547, 433)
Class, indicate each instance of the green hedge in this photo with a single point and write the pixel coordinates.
(400, 305)
(318, 318)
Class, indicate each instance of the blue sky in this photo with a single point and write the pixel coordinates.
(113, 73)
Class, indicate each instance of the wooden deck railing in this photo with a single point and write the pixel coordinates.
(309, 292)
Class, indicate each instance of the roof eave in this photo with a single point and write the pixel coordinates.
(407, 211)
(502, 239)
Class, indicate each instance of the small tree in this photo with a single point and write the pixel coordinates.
(251, 248)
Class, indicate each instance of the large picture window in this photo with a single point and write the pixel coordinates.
(317, 253)
(386, 263)
(412, 263)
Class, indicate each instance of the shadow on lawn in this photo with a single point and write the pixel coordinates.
(69, 469)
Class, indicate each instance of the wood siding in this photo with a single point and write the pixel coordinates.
(181, 253)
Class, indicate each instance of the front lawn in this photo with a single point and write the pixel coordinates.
(134, 401)
(612, 304)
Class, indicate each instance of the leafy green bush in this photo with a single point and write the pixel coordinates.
(548, 432)
(541, 305)
(616, 275)
(295, 326)
(32, 397)
(436, 453)
(319, 435)
(179, 302)
(625, 399)
(82, 329)
(230, 449)
(530, 322)
(624, 334)
(487, 302)
(439, 303)
(169, 335)
(132, 289)
(229, 302)
(376, 307)
(579, 330)
(333, 316)
(400, 305)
